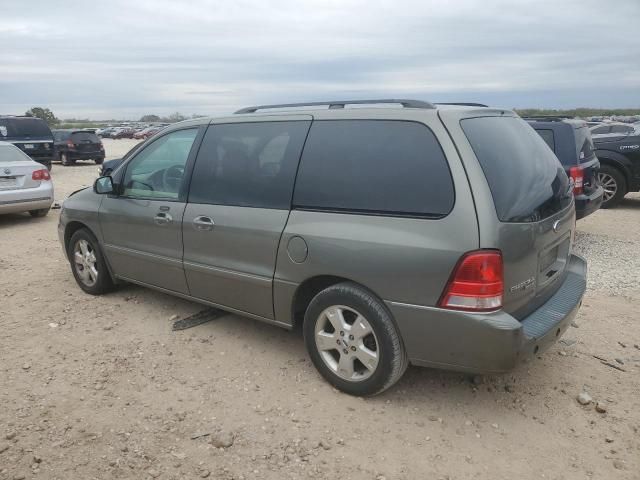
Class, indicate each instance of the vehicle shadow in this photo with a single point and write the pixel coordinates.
(629, 203)
(10, 220)
(286, 347)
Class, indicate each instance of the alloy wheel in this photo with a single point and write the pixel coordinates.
(609, 185)
(347, 343)
(85, 262)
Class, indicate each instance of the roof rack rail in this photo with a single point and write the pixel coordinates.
(463, 104)
(341, 104)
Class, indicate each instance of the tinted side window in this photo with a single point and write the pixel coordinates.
(526, 179)
(602, 129)
(374, 166)
(547, 136)
(248, 164)
(621, 128)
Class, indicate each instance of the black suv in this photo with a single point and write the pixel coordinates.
(571, 141)
(619, 173)
(72, 145)
(31, 135)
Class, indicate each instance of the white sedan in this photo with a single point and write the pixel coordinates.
(25, 186)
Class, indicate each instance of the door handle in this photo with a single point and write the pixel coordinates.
(203, 223)
(163, 218)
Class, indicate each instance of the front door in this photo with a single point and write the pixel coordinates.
(239, 202)
(142, 225)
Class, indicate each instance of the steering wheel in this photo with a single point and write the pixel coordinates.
(171, 178)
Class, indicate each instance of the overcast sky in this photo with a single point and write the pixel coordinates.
(123, 59)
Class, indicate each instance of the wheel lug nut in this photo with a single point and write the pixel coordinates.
(338, 342)
(341, 333)
(346, 351)
(350, 337)
(353, 349)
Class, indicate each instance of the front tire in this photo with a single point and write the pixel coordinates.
(614, 184)
(353, 341)
(87, 263)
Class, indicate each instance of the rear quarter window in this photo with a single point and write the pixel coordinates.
(526, 180)
(374, 166)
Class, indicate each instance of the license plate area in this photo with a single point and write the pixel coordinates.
(8, 182)
(553, 260)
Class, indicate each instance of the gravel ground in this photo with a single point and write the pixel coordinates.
(101, 388)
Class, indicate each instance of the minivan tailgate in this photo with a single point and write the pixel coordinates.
(535, 257)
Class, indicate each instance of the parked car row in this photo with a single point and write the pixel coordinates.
(142, 132)
(436, 235)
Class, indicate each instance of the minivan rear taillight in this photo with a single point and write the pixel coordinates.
(476, 284)
(39, 175)
(577, 174)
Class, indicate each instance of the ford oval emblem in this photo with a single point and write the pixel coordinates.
(556, 224)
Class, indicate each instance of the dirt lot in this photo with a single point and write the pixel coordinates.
(99, 388)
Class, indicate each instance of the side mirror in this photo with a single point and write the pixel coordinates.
(103, 185)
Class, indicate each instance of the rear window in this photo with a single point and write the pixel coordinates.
(374, 166)
(9, 153)
(84, 137)
(526, 179)
(24, 127)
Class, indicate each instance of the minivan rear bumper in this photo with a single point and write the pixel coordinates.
(493, 342)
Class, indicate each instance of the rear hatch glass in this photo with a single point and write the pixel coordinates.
(24, 128)
(84, 137)
(527, 182)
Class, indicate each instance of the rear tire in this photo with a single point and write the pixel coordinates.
(364, 333)
(88, 264)
(614, 184)
(42, 212)
(98, 161)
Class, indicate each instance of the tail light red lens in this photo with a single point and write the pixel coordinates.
(476, 284)
(40, 175)
(577, 174)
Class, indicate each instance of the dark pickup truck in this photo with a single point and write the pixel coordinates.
(619, 174)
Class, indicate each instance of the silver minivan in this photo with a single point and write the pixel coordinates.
(393, 231)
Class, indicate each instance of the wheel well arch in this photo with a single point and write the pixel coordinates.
(71, 228)
(613, 161)
(309, 289)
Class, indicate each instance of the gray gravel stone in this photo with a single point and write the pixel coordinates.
(614, 264)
